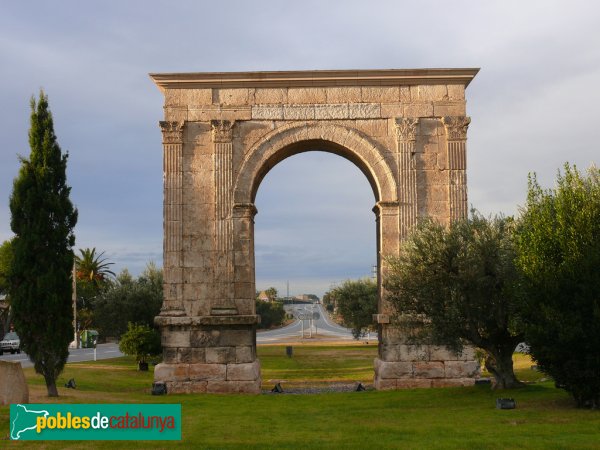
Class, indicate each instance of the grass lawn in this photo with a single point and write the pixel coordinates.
(462, 418)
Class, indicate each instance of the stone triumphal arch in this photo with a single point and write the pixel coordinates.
(222, 132)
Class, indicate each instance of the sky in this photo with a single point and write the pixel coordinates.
(533, 107)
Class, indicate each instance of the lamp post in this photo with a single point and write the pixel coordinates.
(76, 337)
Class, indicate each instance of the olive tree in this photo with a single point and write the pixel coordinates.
(458, 285)
(357, 302)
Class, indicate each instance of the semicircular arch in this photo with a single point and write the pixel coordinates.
(293, 139)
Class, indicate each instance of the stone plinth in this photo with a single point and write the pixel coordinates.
(402, 364)
(210, 354)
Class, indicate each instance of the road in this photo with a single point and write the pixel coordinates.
(323, 326)
(104, 351)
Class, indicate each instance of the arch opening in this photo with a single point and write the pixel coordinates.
(312, 220)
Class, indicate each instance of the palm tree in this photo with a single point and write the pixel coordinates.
(91, 267)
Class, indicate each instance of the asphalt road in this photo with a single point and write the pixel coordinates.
(104, 351)
(323, 326)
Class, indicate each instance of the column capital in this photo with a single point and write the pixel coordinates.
(383, 207)
(406, 128)
(456, 127)
(244, 210)
(172, 132)
(222, 131)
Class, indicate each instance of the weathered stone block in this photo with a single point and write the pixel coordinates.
(392, 110)
(220, 355)
(405, 94)
(429, 369)
(205, 372)
(235, 338)
(270, 96)
(384, 385)
(198, 97)
(364, 111)
(13, 386)
(236, 96)
(380, 94)
(244, 354)
(456, 92)
(418, 110)
(441, 109)
(243, 371)
(391, 334)
(441, 354)
(330, 112)
(429, 92)
(175, 338)
(244, 290)
(184, 355)
(461, 369)
(169, 355)
(452, 382)
(390, 352)
(273, 112)
(298, 112)
(306, 95)
(198, 355)
(233, 387)
(414, 383)
(171, 372)
(342, 94)
(468, 354)
(392, 369)
(177, 387)
(414, 352)
(204, 338)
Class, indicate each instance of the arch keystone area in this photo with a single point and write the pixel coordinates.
(223, 132)
(295, 138)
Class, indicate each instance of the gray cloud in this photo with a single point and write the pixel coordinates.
(533, 106)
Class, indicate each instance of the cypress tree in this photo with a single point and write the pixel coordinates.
(43, 219)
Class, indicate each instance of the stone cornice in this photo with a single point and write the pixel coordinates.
(313, 78)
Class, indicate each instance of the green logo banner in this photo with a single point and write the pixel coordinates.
(101, 422)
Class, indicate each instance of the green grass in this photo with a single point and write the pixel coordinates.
(317, 364)
(461, 418)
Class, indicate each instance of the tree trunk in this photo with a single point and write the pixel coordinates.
(51, 386)
(501, 367)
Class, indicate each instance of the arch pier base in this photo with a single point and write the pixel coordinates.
(402, 364)
(211, 354)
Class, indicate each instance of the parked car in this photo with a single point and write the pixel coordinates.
(11, 343)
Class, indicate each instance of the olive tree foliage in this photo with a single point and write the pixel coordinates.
(558, 244)
(43, 218)
(459, 285)
(357, 302)
(271, 314)
(128, 299)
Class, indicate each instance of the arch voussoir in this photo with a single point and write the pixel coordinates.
(277, 145)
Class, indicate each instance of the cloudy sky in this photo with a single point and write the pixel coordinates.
(533, 106)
